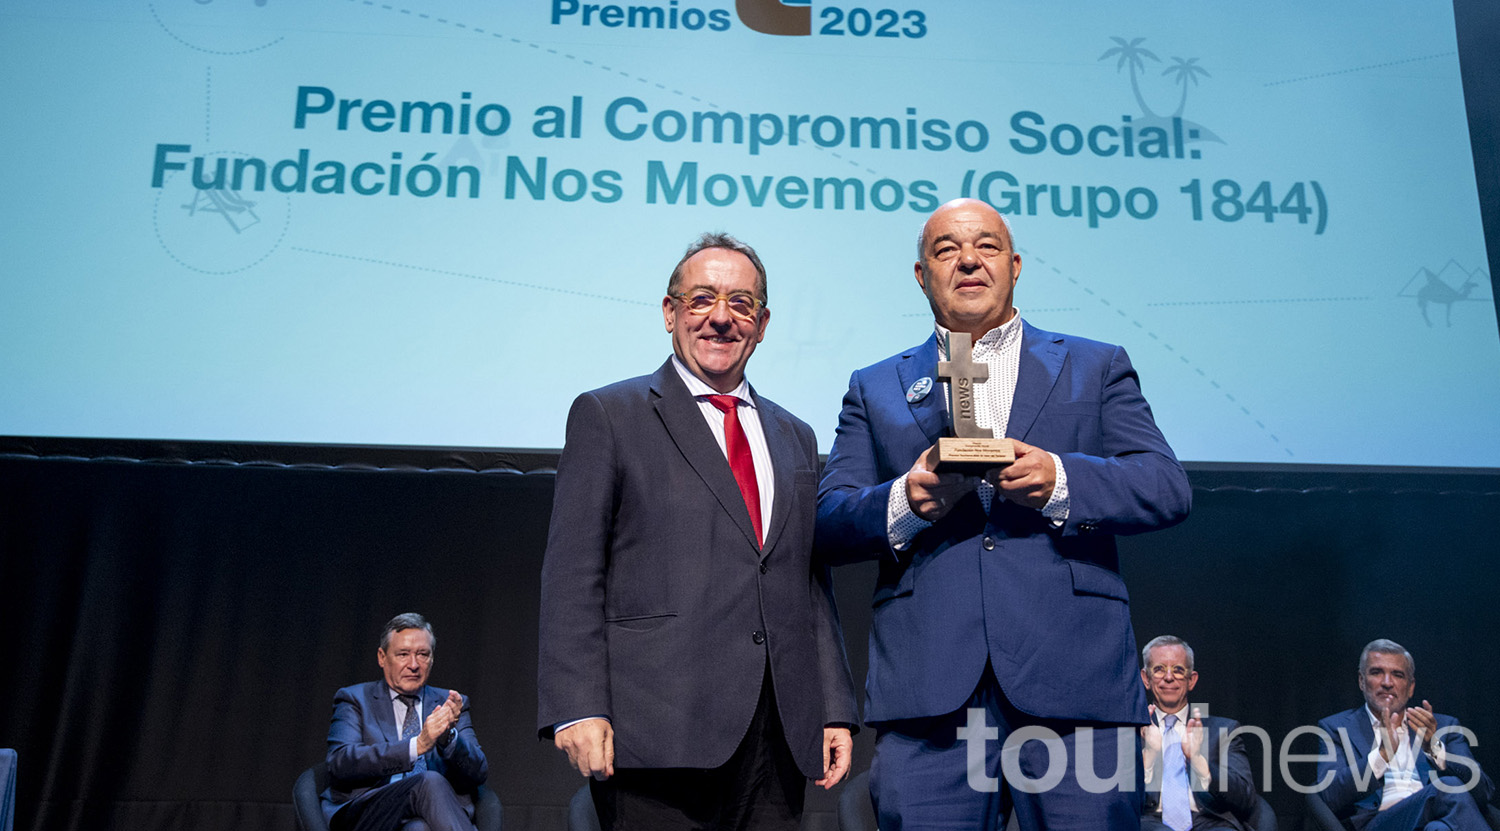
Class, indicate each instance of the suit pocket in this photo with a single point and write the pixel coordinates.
(1089, 579)
(641, 623)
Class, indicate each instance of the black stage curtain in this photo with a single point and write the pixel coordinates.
(176, 630)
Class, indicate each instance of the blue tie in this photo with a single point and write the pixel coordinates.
(412, 725)
(1176, 807)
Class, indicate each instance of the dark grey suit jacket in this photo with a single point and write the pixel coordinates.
(1230, 792)
(659, 610)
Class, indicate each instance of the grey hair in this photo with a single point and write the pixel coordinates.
(1165, 640)
(719, 239)
(1386, 647)
(407, 620)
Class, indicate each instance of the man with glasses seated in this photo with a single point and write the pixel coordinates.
(691, 661)
(1198, 775)
(1391, 766)
(399, 749)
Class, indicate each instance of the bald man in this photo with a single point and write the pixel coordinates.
(999, 604)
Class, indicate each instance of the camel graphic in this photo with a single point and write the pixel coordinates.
(1436, 291)
(1433, 288)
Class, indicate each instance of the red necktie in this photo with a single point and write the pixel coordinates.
(738, 450)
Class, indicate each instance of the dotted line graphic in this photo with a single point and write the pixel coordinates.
(208, 104)
(585, 61)
(1358, 69)
(1198, 370)
(173, 35)
(1261, 300)
(467, 276)
(532, 44)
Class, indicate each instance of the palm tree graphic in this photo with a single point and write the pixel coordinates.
(1131, 55)
(1186, 71)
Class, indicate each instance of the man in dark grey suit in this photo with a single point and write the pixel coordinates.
(691, 660)
(1182, 749)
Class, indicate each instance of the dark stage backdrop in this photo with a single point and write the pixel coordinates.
(176, 629)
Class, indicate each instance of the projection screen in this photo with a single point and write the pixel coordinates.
(427, 222)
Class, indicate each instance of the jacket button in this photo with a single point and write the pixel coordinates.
(764, 568)
(988, 543)
(758, 636)
(1087, 527)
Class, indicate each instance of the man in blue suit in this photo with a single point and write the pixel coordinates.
(387, 762)
(1388, 766)
(999, 604)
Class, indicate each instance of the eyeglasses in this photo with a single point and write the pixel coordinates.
(1160, 672)
(404, 655)
(741, 304)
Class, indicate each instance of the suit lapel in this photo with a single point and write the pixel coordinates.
(1363, 734)
(784, 464)
(679, 413)
(1042, 355)
(379, 705)
(930, 413)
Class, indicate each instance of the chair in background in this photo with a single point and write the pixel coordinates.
(1263, 818)
(488, 814)
(581, 814)
(8, 760)
(1323, 819)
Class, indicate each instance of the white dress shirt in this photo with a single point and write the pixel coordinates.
(760, 453)
(1400, 773)
(1000, 350)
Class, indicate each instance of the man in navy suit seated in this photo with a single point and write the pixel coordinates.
(1388, 766)
(1198, 774)
(399, 749)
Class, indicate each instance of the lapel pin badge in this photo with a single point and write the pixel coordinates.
(918, 390)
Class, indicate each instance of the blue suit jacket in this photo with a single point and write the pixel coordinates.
(365, 746)
(659, 609)
(1046, 607)
(1353, 794)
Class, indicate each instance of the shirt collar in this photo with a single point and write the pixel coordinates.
(698, 388)
(1181, 713)
(991, 342)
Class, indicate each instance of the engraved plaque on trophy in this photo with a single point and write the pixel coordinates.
(971, 449)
